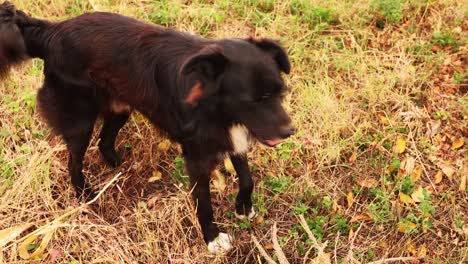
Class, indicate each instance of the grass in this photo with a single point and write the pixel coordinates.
(378, 94)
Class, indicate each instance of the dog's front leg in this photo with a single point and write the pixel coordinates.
(199, 170)
(244, 197)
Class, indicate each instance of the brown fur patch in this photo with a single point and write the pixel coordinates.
(195, 94)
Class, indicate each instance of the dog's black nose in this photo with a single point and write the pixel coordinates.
(287, 131)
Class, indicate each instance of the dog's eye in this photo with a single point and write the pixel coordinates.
(266, 96)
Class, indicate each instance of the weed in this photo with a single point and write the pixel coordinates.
(444, 39)
(390, 9)
(277, 184)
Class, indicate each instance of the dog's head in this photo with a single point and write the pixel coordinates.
(244, 78)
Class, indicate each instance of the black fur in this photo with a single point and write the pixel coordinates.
(194, 89)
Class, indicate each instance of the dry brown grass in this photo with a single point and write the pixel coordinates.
(355, 88)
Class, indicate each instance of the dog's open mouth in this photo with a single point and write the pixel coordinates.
(270, 142)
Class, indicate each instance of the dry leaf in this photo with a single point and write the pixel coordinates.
(416, 173)
(448, 170)
(335, 207)
(353, 157)
(350, 199)
(463, 183)
(268, 246)
(361, 217)
(368, 183)
(418, 195)
(409, 165)
(219, 182)
(155, 177)
(404, 227)
(351, 234)
(384, 120)
(324, 258)
(259, 220)
(457, 143)
(422, 253)
(9, 234)
(164, 145)
(400, 145)
(406, 199)
(229, 166)
(438, 177)
(23, 247)
(411, 248)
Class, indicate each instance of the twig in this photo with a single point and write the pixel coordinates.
(262, 251)
(105, 188)
(320, 248)
(394, 259)
(278, 251)
(420, 160)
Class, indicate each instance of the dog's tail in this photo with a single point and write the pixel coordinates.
(12, 45)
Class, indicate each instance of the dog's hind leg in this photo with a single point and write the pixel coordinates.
(244, 197)
(71, 114)
(113, 122)
(77, 145)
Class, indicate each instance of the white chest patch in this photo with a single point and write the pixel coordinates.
(239, 138)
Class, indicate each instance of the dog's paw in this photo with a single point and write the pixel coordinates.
(250, 216)
(221, 244)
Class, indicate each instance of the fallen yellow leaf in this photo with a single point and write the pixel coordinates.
(368, 183)
(219, 182)
(422, 253)
(404, 227)
(23, 247)
(458, 143)
(411, 248)
(418, 195)
(229, 166)
(155, 177)
(164, 145)
(350, 199)
(406, 199)
(9, 234)
(438, 177)
(400, 145)
(416, 174)
(384, 120)
(324, 258)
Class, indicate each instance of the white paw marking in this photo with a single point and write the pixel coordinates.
(221, 244)
(239, 138)
(250, 216)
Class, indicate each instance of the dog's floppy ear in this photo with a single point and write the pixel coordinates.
(275, 50)
(207, 65)
(209, 62)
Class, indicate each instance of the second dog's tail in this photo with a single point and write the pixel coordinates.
(12, 45)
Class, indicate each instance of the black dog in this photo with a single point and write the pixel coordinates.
(211, 96)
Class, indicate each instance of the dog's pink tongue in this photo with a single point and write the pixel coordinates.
(273, 142)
